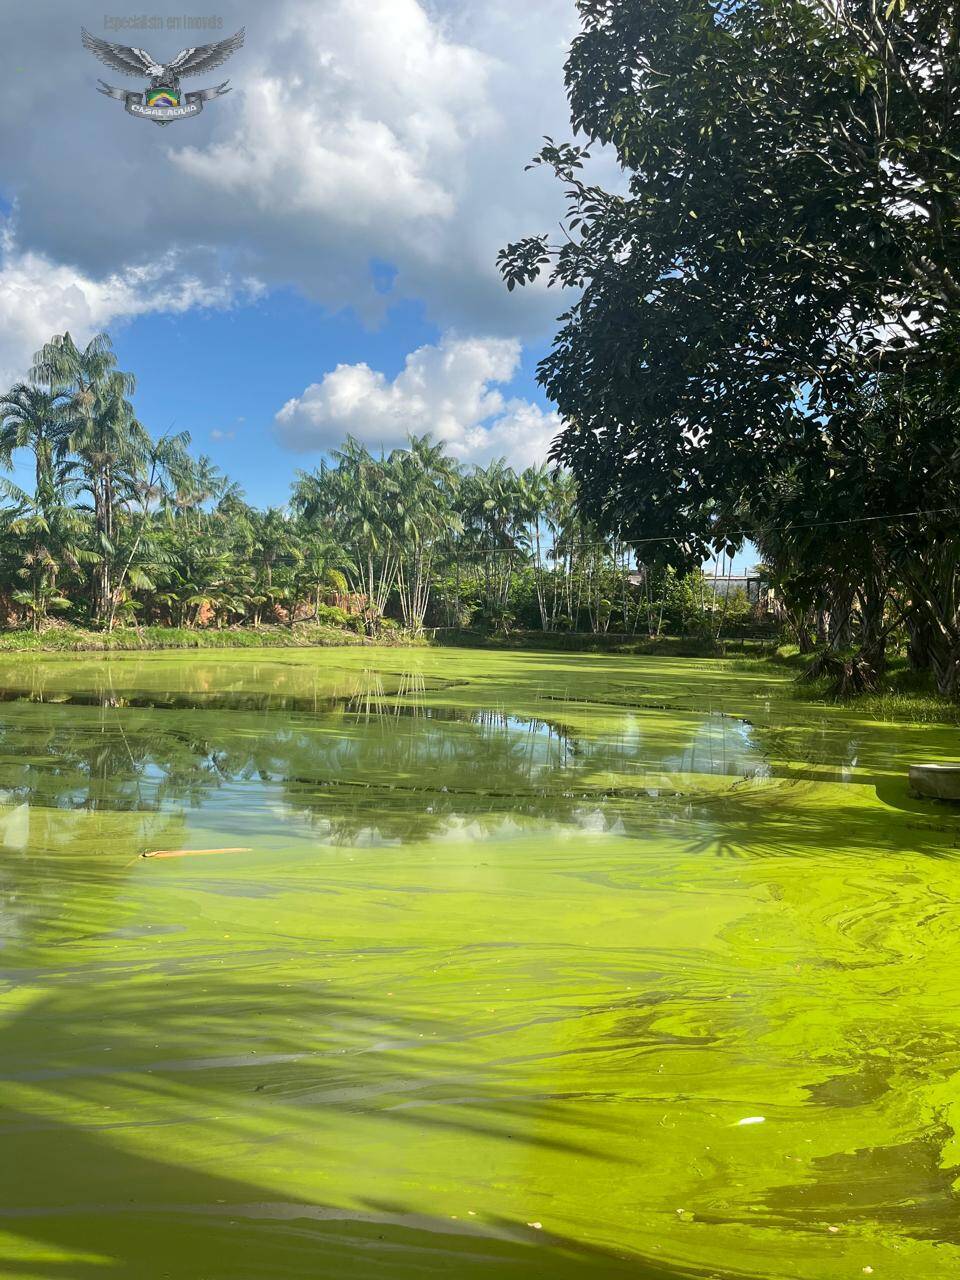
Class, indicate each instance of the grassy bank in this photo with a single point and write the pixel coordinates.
(906, 695)
(591, 642)
(64, 639)
(72, 639)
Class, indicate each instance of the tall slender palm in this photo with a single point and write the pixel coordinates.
(427, 479)
(566, 533)
(200, 482)
(359, 500)
(152, 488)
(76, 372)
(491, 512)
(107, 442)
(533, 495)
(321, 567)
(46, 542)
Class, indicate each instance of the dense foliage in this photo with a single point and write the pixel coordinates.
(764, 336)
(123, 528)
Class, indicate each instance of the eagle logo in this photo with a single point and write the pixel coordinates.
(162, 102)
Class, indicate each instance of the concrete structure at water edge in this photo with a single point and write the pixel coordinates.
(936, 781)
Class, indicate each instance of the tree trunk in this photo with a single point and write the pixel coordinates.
(919, 639)
(873, 635)
(945, 663)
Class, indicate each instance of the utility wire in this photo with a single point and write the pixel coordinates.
(813, 524)
(734, 533)
(676, 537)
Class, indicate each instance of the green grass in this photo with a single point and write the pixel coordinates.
(70, 639)
(907, 696)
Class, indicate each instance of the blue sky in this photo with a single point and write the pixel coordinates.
(222, 375)
(216, 374)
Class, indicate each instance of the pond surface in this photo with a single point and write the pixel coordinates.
(532, 965)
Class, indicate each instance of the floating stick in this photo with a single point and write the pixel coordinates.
(188, 853)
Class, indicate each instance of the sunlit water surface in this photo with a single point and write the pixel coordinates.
(535, 965)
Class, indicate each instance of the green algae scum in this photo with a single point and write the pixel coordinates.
(520, 965)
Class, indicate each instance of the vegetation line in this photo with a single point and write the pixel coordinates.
(124, 530)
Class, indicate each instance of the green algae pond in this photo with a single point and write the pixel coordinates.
(537, 965)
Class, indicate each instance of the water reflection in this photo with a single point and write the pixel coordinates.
(368, 761)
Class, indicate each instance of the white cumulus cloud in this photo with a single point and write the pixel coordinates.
(363, 122)
(356, 132)
(40, 297)
(453, 390)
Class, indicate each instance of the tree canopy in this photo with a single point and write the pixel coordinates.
(764, 306)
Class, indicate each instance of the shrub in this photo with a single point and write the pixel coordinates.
(331, 615)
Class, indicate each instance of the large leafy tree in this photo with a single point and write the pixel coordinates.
(784, 245)
(789, 225)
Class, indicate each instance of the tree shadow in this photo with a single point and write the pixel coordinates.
(85, 1197)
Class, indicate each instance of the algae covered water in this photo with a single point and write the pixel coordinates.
(532, 965)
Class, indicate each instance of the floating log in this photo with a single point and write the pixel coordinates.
(937, 781)
(188, 853)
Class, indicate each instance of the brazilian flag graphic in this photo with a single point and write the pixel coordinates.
(163, 97)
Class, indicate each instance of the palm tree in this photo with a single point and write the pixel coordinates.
(274, 549)
(110, 449)
(322, 566)
(533, 494)
(491, 513)
(566, 534)
(359, 501)
(34, 418)
(47, 541)
(426, 480)
(152, 490)
(199, 482)
(108, 444)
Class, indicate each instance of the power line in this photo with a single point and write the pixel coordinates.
(287, 559)
(813, 524)
(735, 533)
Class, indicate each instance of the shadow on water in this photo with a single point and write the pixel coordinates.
(85, 1203)
(238, 1230)
(864, 1188)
